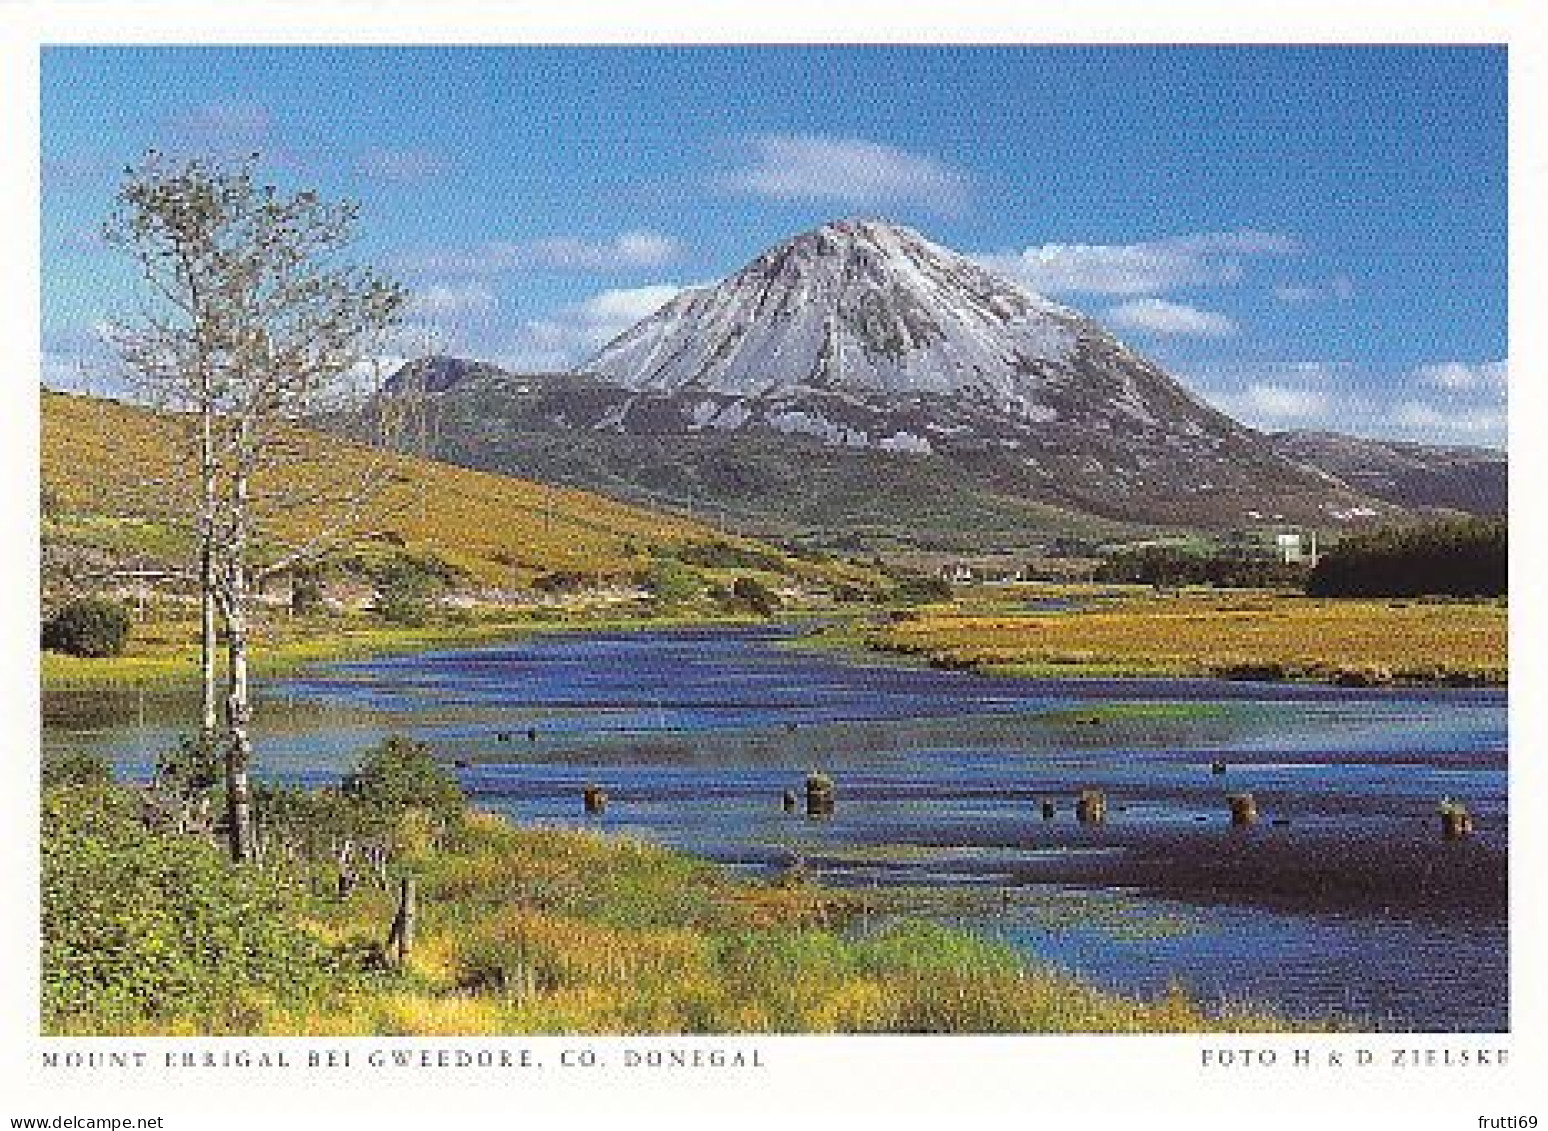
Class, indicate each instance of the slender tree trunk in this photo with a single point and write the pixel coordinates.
(239, 744)
(209, 715)
(209, 719)
(239, 707)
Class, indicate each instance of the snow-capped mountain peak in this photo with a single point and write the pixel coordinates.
(859, 305)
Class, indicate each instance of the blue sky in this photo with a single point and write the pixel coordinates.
(1309, 237)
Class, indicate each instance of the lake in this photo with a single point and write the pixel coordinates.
(1342, 900)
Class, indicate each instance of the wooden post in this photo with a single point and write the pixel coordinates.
(1244, 809)
(1091, 807)
(400, 939)
(819, 795)
(1456, 820)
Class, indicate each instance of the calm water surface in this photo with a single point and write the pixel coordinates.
(1341, 900)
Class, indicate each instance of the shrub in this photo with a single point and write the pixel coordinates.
(398, 778)
(74, 768)
(723, 555)
(141, 928)
(922, 589)
(753, 594)
(306, 589)
(407, 583)
(88, 626)
(1458, 559)
(1170, 566)
(671, 582)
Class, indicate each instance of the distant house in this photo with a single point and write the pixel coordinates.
(1296, 547)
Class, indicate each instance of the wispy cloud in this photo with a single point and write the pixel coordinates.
(1276, 406)
(1203, 259)
(1440, 402)
(1158, 316)
(571, 334)
(629, 250)
(846, 170)
(1461, 376)
(401, 166)
(451, 300)
(1339, 287)
(1471, 423)
(234, 125)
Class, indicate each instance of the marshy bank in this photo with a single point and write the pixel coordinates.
(1348, 642)
(518, 931)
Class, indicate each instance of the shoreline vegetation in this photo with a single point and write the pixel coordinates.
(519, 930)
(1253, 636)
(165, 653)
(1096, 632)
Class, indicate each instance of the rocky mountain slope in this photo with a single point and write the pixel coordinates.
(1468, 479)
(860, 378)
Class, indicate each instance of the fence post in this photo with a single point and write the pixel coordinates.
(400, 939)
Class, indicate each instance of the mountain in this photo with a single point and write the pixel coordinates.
(861, 381)
(1468, 479)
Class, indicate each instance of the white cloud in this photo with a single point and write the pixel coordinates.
(1203, 259)
(452, 301)
(1339, 287)
(847, 170)
(1297, 294)
(629, 250)
(1461, 376)
(403, 166)
(1441, 402)
(1276, 406)
(1481, 423)
(1158, 316)
(573, 333)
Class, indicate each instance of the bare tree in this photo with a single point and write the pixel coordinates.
(249, 329)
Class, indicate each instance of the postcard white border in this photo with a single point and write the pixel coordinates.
(1094, 1081)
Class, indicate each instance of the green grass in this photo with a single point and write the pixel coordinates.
(532, 931)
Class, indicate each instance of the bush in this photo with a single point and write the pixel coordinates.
(671, 582)
(1170, 566)
(89, 626)
(922, 589)
(141, 928)
(753, 594)
(1458, 559)
(306, 589)
(407, 583)
(398, 778)
(74, 768)
(723, 555)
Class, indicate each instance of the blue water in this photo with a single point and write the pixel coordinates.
(1343, 900)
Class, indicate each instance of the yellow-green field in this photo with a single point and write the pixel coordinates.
(99, 455)
(1269, 637)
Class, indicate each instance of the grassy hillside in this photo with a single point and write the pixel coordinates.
(97, 456)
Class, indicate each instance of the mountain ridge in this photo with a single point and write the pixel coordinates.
(865, 348)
